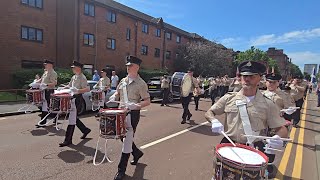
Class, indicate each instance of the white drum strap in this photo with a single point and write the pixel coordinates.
(125, 92)
(105, 157)
(245, 121)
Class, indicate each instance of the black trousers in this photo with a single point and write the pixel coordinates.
(83, 128)
(296, 115)
(165, 94)
(185, 101)
(47, 94)
(213, 95)
(196, 101)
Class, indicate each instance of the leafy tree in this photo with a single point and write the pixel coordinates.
(207, 58)
(295, 70)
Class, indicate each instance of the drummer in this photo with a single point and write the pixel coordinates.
(48, 82)
(78, 85)
(133, 93)
(103, 84)
(297, 92)
(248, 107)
(186, 100)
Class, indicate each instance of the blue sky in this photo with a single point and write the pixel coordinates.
(291, 25)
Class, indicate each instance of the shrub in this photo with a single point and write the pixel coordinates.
(145, 74)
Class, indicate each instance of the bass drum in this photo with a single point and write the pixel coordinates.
(186, 85)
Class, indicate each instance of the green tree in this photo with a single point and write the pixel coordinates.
(295, 70)
(255, 54)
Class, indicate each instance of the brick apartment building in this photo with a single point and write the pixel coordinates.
(282, 60)
(95, 32)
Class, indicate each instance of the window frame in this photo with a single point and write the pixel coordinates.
(89, 5)
(158, 34)
(36, 30)
(178, 36)
(146, 50)
(113, 42)
(89, 34)
(111, 14)
(170, 35)
(145, 30)
(168, 52)
(128, 34)
(155, 52)
(27, 3)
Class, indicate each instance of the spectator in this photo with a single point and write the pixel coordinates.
(95, 76)
(318, 93)
(114, 80)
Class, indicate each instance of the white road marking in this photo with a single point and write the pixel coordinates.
(172, 136)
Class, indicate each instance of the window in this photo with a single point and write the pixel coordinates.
(31, 34)
(168, 35)
(168, 54)
(89, 9)
(88, 39)
(144, 50)
(111, 43)
(178, 39)
(31, 64)
(33, 3)
(158, 32)
(156, 52)
(128, 35)
(145, 28)
(177, 55)
(111, 17)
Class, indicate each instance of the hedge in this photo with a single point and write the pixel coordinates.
(22, 78)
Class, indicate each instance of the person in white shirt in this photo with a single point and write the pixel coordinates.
(114, 80)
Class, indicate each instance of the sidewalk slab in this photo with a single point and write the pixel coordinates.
(12, 108)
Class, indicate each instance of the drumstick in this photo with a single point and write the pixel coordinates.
(226, 136)
(273, 149)
(266, 137)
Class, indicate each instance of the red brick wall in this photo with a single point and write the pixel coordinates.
(12, 49)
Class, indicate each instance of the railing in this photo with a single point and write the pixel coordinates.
(12, 95)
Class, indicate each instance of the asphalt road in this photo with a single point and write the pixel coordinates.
(171, 151)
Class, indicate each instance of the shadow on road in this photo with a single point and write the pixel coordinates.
(138, 173)
(313, 148)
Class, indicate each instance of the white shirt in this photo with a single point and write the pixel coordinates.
(114, 81)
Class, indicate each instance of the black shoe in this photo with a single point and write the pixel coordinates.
(189, 117)
(196, 109)
(85, 134)
(119, 176)
(136, 158)
(183, 121)
(97, 115)
(162, 105)
(167, 105)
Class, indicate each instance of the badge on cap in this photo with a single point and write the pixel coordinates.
(249, 64)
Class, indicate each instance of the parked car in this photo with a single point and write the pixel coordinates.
(154, 88)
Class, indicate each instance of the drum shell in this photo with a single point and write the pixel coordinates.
(96, 95)
(234, 170)
(60, 103)
(34, 96)
(112, 125)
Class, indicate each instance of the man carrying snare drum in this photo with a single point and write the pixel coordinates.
(103, 84)
(48, 82)
(131, 90)
(248, 112)
(78, 85)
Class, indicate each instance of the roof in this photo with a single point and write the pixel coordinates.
(127, 10)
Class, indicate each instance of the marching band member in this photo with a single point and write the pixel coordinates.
(297, 92)
(131, 90)
(213, 90)
(248, 112)
(103, 84)
(48, 82)
(78, 85)
(236, 84)
(185, 101)
(196, 94)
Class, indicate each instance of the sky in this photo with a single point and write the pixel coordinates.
(291, 25)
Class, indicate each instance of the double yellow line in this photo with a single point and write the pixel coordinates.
(299, 152)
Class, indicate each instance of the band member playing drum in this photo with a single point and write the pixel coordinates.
(131, 90)
(48, 82)
(78, 85)
(248, 112)
(103, 84)
(189, 83)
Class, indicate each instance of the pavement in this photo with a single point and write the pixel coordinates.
(15, 108)
(171, 151)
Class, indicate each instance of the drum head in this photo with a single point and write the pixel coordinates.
(186, 85)
(241, 154)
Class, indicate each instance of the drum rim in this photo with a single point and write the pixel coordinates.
(62, 95)
(33, 90)
(245, 147)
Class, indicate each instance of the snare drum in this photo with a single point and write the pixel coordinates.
(34, 96)
(112, 123)
(96, 95)
(240, 162)
(60, 103)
